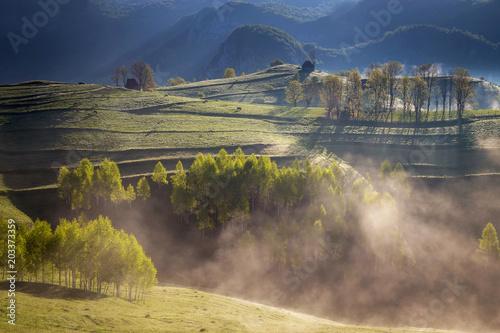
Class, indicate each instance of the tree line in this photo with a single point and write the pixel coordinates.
(225, 191)
(87, 184)
(88, 253)
(343, 93)
(282, 214)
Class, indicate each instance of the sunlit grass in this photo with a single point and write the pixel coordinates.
(49, 308)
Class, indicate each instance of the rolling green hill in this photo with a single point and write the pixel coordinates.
(49, 308)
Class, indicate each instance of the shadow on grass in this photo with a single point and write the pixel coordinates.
(289, 112)
(51, 291)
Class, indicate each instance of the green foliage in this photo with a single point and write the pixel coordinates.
(276, 62)
(160, 174)
(143, 189)
(92, 250)
(200, 95)
(79, 186)
(385, 170)
(269, 87)
(332, 94)
(229, 73)
(144, 75)
(488, 244)
(177, 81)
(294, 93)
(311, 91)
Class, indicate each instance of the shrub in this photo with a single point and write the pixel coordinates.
(276, 62)
(201, 95)
(228, 73)
(177, 81)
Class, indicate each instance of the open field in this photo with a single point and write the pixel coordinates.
(42, 130)
(50, 308)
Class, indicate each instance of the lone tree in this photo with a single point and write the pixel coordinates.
(115, 76)
(229, 73)
(331, 94)
(294, 93)
(463, 90)
(144, 75)
(276, 62)
(488, 244)
(124, 72)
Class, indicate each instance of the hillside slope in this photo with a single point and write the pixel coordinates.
(252, 46)
(49, 308)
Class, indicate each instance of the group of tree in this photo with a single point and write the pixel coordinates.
(141, 71)
(91, 255)
(87, 184)
(305, 205)
(343, 94)
(214, 191)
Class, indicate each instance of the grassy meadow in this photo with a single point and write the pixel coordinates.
(50, 308)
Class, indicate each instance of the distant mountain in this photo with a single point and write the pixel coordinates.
(250, 48)
(418, 44)
(253, 47)
(373, 18)
(76, 38)
(83, 40)
(184, 48)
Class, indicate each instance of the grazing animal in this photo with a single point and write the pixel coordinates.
(205, 101)
(238, 108)
(77, 110)
(75, 104)
(95, 111)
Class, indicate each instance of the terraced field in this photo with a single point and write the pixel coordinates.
(45, 125)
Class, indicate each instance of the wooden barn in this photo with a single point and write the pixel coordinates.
(132, 84)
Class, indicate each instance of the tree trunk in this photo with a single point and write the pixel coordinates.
(99, 286)
(74, 276)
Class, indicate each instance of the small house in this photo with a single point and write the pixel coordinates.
(132, 84)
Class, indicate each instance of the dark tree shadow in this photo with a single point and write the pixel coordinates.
(51, 291)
